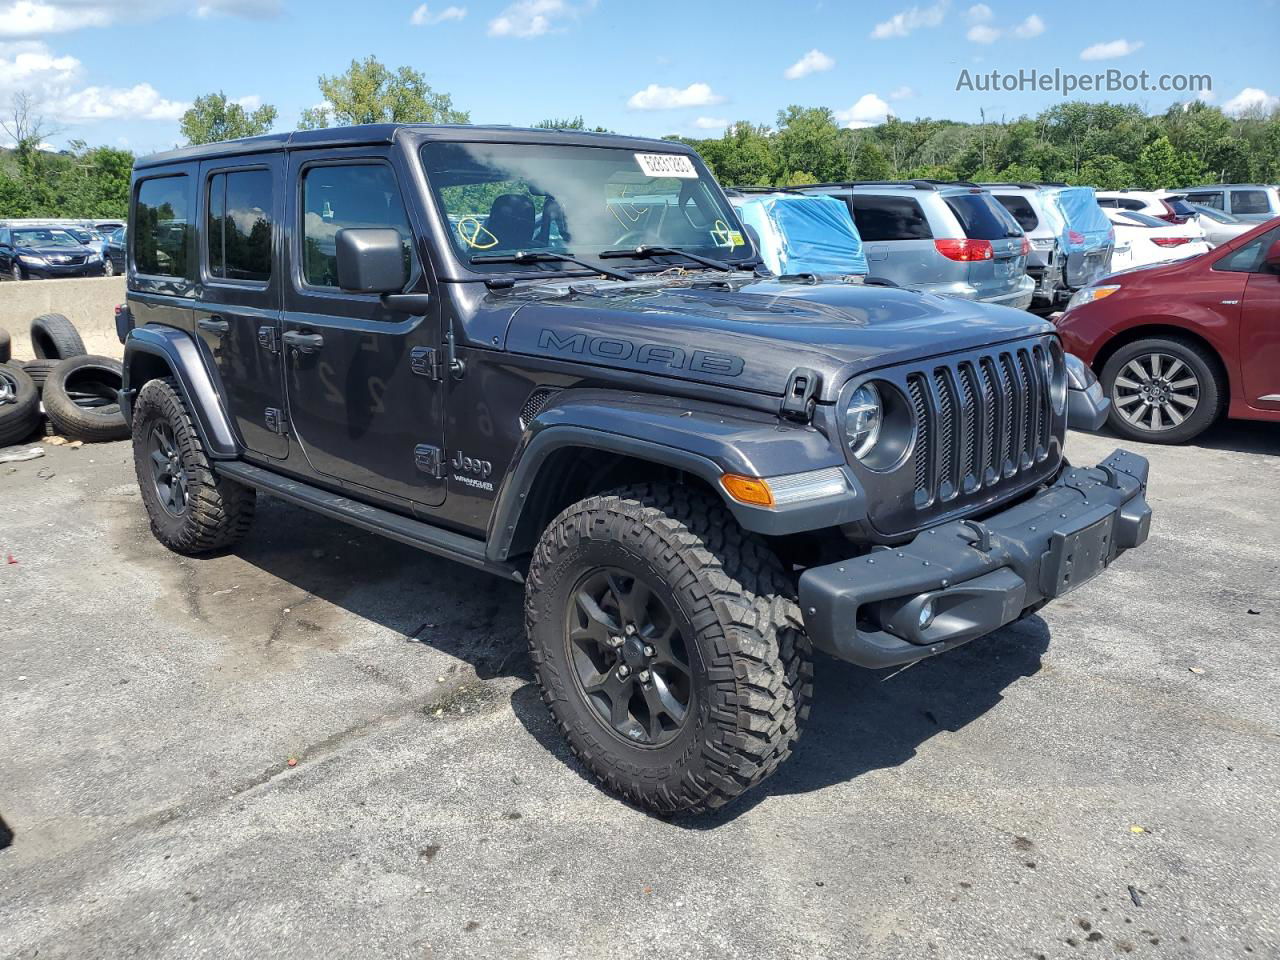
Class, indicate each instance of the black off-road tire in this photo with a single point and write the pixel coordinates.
(218, 512)
(82, 398)
(6, 347)
(38, 371)
(751, 662)
(19, 405)
(54, 337)
(1211, 387)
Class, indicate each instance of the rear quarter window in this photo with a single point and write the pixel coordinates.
(1021, 210)
(1207, 199)
(162, 234)
(1250, 201)
(981, 218)
(889, 218)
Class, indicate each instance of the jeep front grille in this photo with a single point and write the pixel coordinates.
(980, 419)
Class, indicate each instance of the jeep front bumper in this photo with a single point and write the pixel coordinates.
(963, 579)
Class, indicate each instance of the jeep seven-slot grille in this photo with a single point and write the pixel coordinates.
(979, 420)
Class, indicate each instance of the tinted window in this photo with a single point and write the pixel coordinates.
(1022, 211)
(889, 218)
(1108, 202)
(162, 220)
(1132, 217)
(981, 218)
(336, 197)
(239, 235)
(1249, 257)
(1179, 206)
(1249, 201)
(1130, 204)
(1208, 199)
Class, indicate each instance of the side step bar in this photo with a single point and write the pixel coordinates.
(424, 536)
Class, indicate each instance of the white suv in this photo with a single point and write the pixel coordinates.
(1170, 207)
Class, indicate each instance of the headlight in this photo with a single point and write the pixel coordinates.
(1090, 294)
(93, 258)
(1078, 373)
(862, 419)
(32, 258)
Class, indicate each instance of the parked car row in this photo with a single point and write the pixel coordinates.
(43, 252)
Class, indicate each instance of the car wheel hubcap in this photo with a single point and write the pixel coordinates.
(167, 472)
(8, 388)
(629, 658)
(1156, 392)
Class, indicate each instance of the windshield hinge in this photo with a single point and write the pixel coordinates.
(801, 395)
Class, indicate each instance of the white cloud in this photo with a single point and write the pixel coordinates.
(901, 24)
(423, 17)
(711, 123)
(27, 18)
(252, 9)
(869, 111)
(533, 18)
(140, 102)
(815, 61)
(902, 93)
(1033, 26)
(250, 102)
(979, 13)
(1111, 49)
(1250, 100)
(654, 97)
(983, 33)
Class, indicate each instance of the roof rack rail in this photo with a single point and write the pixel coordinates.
(915, 184)
(757, 189)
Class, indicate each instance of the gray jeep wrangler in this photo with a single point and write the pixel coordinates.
(553, 356)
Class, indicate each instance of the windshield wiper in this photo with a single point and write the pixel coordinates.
(647, 250)
(546, 256)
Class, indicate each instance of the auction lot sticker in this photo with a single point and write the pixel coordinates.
(667, 165)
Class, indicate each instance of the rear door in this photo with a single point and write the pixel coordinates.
(238, 316)
(364, 401)
(982, 218)
(896, 238)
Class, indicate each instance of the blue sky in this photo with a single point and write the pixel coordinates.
(120, 73)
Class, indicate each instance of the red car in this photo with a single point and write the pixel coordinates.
(1179, 344)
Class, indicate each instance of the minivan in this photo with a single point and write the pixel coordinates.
(1254, 202)
(937, 237)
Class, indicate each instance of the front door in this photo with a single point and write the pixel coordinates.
(1260, 332)
(364, 402)
(238, 317)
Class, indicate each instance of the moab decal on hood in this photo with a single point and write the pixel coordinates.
(751, 335)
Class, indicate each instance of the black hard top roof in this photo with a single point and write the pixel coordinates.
(377, 133)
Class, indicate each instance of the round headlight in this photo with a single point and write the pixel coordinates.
(862, 420)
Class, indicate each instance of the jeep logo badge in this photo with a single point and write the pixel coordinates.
(465, 464)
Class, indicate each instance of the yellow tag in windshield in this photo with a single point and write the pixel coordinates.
(724, 237)
(474, 234)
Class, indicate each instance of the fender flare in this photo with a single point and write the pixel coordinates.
(703, 439)
(180, 353)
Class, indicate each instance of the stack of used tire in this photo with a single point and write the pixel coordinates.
(62, 391)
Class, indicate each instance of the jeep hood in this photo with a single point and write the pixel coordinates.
(751, 335)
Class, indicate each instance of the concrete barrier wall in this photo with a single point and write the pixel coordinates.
(89, 303)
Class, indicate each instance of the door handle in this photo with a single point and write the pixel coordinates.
(303, 342)
(213, 324)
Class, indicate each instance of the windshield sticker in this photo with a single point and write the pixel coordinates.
(724, 237)
(474, 234)
(667, 165)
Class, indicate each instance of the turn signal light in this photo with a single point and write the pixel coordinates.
(750, 490)
(1075, 236)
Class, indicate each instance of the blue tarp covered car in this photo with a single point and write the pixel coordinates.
(803, 234)
(1085, 235)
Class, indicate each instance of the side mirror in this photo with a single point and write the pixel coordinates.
(371, 260)
(1272, 260)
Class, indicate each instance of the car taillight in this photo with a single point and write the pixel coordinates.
(1075, 236)
(1170, 241)
(964, 250)
(1026, 247)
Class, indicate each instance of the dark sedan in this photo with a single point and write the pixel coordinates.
(31, 253)
(115, 251)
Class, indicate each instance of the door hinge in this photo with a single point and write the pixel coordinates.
(269, 338)
(425, 362)
(799, 399)
(275, 420)
(428, 459)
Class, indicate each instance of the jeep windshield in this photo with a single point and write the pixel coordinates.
(502, 199)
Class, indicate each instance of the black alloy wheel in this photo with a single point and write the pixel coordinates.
(167, 471)
(629, 657)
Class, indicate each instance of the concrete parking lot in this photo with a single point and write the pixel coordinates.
(328, 744)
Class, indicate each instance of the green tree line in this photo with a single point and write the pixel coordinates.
(1106, 145)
